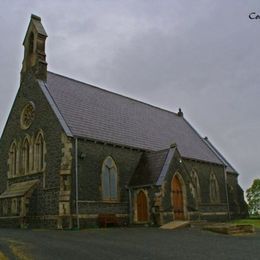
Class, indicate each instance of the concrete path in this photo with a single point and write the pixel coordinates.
(175, 224)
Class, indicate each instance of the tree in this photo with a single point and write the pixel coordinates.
(253, 198)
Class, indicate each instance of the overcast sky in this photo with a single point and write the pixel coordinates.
(202, 56)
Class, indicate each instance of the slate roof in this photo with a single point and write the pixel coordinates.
(149, 168)
(98, 114)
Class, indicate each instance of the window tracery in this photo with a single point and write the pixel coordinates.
(28, 156)
(27, 115)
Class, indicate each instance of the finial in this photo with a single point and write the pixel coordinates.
(180, 113)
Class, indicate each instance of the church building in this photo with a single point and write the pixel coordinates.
(76, 155)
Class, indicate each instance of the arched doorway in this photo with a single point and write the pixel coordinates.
(142, 208)
(177, 198)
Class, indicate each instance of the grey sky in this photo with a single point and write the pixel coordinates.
(202, 56)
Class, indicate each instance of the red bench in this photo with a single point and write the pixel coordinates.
(105, 219)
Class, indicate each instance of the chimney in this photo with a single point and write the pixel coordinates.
(34, 50)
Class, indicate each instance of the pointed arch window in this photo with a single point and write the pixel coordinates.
(214, 189)
(195, 179)
(109, 178)
(26, 156)
(39, 152)
(13, 160)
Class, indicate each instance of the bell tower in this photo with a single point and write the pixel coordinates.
(34, 50)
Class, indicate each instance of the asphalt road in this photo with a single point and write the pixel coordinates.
(127, 243)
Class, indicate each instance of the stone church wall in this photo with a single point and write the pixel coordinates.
(165, 195)
(160, 206)
(203, 170)
(91, 156)
(238, 206)
(160, 200)
(207, 209)
(44, 200)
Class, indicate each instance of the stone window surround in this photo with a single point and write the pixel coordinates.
(26, 158)
(5, 207)
(117, 180)
(10, 206)
(196, 183)
(214, 189)
(12, 160)
(14, 206)
(19, 156)
(27, 115)
(39, 152)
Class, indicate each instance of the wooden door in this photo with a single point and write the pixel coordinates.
(142, 209)
(177, 199)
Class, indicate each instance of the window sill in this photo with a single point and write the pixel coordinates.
(27, 174)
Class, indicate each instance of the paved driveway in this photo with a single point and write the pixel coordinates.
(127, 243)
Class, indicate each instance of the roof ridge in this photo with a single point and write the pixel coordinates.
(121, 95)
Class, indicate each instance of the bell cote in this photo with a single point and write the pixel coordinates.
(34, 50)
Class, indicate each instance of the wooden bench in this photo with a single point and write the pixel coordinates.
(105, 219)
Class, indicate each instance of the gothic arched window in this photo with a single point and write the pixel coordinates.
(196, 183)
(26, 156)
(13, 160)
(109, 179)
(214, 189)
(39, 152)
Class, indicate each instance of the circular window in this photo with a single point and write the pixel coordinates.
(27, 115)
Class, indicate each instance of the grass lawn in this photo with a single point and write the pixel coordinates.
(252, 221)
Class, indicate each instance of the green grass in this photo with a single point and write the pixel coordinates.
(250, 221)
